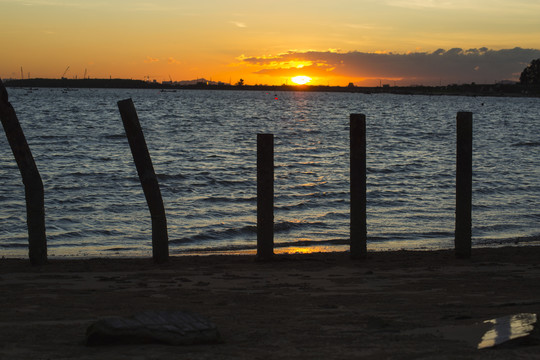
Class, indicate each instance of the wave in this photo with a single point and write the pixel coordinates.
(253, 246)
(519, 240)
(527, 143)
(80, 234)
(398, 168)
(207, 179)
(286, 226)
(300, 205)
(410, 236)
(120, 249)
(115, 136)
(308, 243)
(332, 215)
(223, 199)
(217, 235)
(245, 231)
(12, 245)
(164, 177)
(53, 137)
(65, 235)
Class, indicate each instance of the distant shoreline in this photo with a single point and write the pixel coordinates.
(500, 90)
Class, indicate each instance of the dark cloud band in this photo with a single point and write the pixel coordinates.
(447, 66)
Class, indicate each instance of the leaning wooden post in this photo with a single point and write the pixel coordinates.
(463, 185)
(147, 176)
(33, 186)
(265, 196)
(358, 186)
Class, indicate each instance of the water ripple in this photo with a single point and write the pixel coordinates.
(203, 146)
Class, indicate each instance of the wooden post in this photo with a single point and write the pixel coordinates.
(463, 185)
(358, 186)
(265, 196)
(147, 176)
(33, 185)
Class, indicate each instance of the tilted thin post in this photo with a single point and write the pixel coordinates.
(358, 186)
(464, 142)
(265, 196)
(33, 185)
(147, 176)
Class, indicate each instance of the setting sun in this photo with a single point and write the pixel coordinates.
(301, 80)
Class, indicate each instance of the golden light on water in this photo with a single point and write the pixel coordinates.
(301, 80)
(310, 249)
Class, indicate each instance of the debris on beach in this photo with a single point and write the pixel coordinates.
(166, 327)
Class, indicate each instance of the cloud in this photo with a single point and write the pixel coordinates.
(64, 3)
(172, 61)
(150, 60)
(481, 7)
(430, 4)
(134, 5)
(447, 66)
(239, 24)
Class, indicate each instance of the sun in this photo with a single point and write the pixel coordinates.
(301, 80)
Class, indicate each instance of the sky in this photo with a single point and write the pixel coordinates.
(366, 42)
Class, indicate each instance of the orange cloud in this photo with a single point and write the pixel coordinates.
(238, 24)
(150, 60)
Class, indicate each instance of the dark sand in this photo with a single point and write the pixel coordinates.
(393, 305)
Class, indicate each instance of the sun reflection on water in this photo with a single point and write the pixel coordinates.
(310, 249)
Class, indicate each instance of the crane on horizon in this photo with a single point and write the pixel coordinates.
(64, 74)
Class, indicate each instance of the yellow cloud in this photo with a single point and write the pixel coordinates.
(239, 24)
(150, 60)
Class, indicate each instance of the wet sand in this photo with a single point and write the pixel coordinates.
(392, 305)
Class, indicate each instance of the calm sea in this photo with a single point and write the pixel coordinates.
(203, 146)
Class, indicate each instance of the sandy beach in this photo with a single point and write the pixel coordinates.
(392, 305)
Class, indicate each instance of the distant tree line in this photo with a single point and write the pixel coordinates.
(531, 74)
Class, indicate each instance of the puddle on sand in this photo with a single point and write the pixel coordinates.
(488, 333)
(507, 328)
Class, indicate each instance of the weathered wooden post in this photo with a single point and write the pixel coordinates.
(358, 186)
(33, 185)
(265, 196)
(147, 176)
(463, 185)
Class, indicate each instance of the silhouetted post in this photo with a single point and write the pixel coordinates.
(147, 176)
(33, 186)
(358, 186)
(463, 185)
(265, 196)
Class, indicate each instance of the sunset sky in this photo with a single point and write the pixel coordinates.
(366, 42)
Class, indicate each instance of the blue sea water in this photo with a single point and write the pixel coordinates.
(203, 147)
